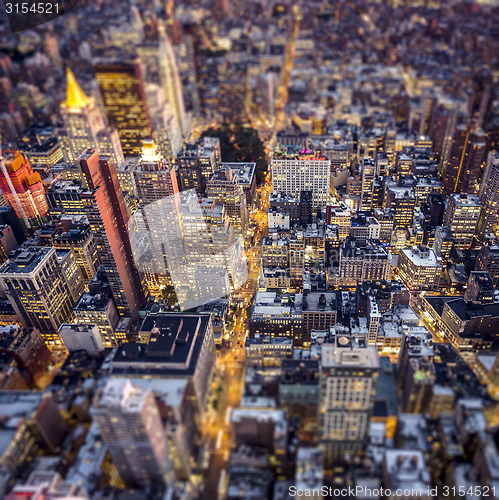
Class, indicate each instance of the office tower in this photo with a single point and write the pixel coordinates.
(348, 374)
(365, 262)
(73, 232)
(33, 426)
(173, 346)
(166, 133)
(374, 319)
(24, 358)
(45, 153)
(212, 244)
(368, 177)
(403, 201)
(225, 189)
(404, 165)
(171, 82)
(66, 197)
(246, 176)
(22, 188)
(189, 169)
(441, 127)
(155, 177)
(488, 260)
(38, 291)
(382, 164)
(296, 254)
(267, 351)
(71, 272)
(461, 172)
(480, 287)
(157, 191)
(461, 215)
(294, 171)
(8, 217)
(305, 208)
(126, 175)
(197, 163)
(299, 394)
(108, 217)
(419, 268)
(125, 103)
(129, 422)
(384, 217)
(8, 242)
(436, 203)
(489, 197)
(416, 372)
(443, 243)
(85, 126)
(98, 308)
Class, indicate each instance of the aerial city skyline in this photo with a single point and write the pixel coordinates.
(249, 249)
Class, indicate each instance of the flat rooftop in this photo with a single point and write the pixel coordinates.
(26, 260)
(173, 349)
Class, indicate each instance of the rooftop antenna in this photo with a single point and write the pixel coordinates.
(11, 187)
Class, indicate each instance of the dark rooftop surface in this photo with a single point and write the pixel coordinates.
(386, 391)
(298, 372)
(176, 339)
(452, 371)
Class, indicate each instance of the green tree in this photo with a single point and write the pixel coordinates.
(240, 143)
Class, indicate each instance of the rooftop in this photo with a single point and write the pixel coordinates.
(245, 172)
(422, 256)
(350, 352)
(173, 349)
(26, 260)
(92, 302)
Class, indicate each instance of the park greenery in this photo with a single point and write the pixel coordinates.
(240, 143)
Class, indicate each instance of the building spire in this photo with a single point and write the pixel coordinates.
(74, 93)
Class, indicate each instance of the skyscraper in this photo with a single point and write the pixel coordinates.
(225, 189)
(461, 215)
(349, 370)
(155, 177)
(22, 188)
(461, 170)
(305, 170)
(368, 176)
(84, 125)
(130, 424)
(159, 204)
(125, 102)
(39, 291)
(108, 218)
(441, 127)
(489, 196)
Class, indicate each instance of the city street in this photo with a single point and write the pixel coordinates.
(230, 368)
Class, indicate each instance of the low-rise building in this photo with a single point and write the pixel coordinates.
(277, 316)
(77, 337)
(267, 351)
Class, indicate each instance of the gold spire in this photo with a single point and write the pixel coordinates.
(74, 93)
